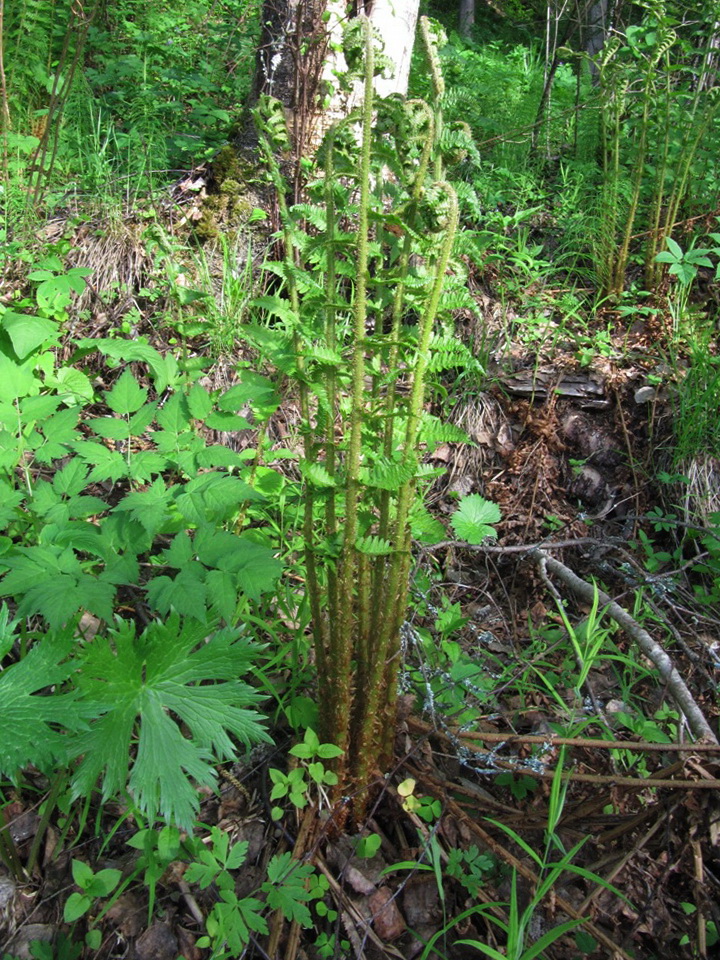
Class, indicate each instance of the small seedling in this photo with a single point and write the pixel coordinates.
(93, 887)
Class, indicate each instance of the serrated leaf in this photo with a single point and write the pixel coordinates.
(10, 500)
(433, 431)
(109, 428)
(471, 521)
(237, 855)
(174, 416)
(161, 367)
(42, 726)
(424, 527)
(50, 581)
(286, 889)
(16, 381)
(145, 465)
(226, 422)
(149, 507)
(126, 396)
(222, 593)
(107, 464)
(175, 690)
(253, 566)
(199, 402)
(276, 307)
(214, 497)
(72, 479)
(186, 593)
(141, 420)
(180, 551)
(217, 455)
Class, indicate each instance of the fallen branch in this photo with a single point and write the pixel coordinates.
(550, 740)
(652, 650)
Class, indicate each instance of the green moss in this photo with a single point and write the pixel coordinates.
(226, 165)
(230, 187)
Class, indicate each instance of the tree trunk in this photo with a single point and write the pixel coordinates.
(467, 18)
(297, 61)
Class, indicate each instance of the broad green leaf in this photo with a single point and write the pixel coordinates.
(214, 497)
(186, 593)
(39, 407)
(162, 368)
(237, 855)
(126, 396)
(50, 581)
(253, 565)
(223, 593)
(177, 692)
(217, 455)
(16, 381)
(72, 385)
(141, 420)
(149, 507)
(145, 465)
(10, 500)
(104, 882)
(107, 464)
(72, 479)
(59, 431)
(285, 888)
(174, 415)
(471, 521)
(82, 873)
(226, 422)
(199, 402)
(110, 428)
(180, 551)
(28, 333)
(76, 906)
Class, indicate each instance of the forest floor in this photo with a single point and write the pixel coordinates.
(565, 449)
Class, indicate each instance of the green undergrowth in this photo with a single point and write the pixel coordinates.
(179, 584)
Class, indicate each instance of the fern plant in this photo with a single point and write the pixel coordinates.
(365, 269)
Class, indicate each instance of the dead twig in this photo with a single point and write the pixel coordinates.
(652, 650)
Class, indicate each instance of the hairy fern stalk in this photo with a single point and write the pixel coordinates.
(366, 265)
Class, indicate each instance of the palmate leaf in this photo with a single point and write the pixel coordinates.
(152, 688)
(286, 888)
(471, 521)
(37, 726)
